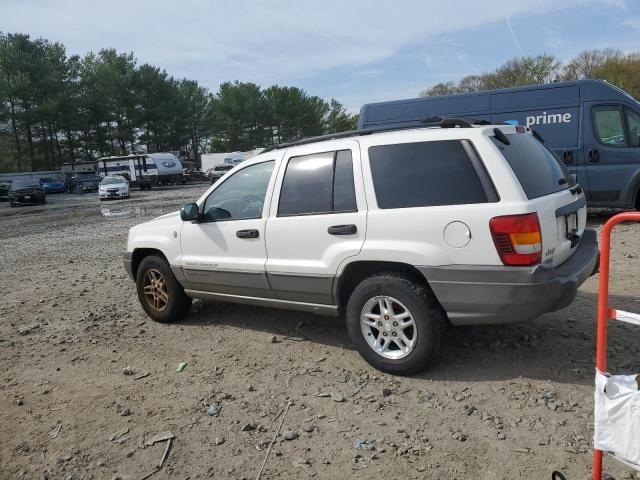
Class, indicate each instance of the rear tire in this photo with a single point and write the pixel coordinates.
(160, 294)
(412, 304)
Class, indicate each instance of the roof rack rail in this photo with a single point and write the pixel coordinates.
(428, 122)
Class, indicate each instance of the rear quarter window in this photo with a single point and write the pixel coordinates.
(538, 170)
(424, 174)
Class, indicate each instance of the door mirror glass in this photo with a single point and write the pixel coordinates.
(190, 212)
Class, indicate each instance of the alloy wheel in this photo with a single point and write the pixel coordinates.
(155, 290)
(388, 327)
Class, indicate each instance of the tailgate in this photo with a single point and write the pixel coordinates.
(563, 218)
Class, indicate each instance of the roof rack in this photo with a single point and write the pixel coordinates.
(428, 122)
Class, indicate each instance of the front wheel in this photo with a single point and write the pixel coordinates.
(395, 323)
(160, 294)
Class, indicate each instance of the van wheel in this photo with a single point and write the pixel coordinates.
(395, 323)
(160, 294)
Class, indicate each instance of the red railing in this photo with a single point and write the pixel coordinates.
(605, 312)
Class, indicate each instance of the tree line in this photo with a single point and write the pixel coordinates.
(622, 70)
(56, 108)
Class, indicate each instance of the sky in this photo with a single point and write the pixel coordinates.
(356, 51)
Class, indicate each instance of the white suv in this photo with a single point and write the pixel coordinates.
(402, 231)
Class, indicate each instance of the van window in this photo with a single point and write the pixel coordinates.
(318, 183)
(609, 125)
(633, 120)
(424, 174)
(538, 170)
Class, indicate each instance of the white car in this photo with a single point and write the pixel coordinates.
(403, 232)
(113, 186)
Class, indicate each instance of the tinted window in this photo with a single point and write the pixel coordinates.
(424, 174)
(344, 194)
(241, 196)
(318, 183)
(538, 170)
(306, 187)
(609, 125)
(633, 120)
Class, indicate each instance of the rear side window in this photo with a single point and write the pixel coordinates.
(318, 183)
(424, 174)
(538, 170)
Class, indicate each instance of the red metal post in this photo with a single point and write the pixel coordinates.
(603, 309)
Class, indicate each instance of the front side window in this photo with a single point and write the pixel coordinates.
(633, 120)
(609, 126)
(318, 183)
(424, 174)
(241, 196)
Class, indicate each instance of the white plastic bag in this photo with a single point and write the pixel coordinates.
(617, 416)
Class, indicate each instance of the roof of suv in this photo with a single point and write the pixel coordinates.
(428, 123)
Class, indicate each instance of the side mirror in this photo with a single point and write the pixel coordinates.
(190, 212)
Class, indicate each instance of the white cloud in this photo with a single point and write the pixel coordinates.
(262, 41)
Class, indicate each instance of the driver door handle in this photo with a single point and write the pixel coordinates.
(594, 155)
(342, 230)
(248, 233)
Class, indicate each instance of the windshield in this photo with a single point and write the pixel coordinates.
(224, 168)
(47, 180)
(112, 180)
(25, 183)
(538, 169)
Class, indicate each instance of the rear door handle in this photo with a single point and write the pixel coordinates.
(567, 156)
(248, 233)
(350, 229)
(594, 155)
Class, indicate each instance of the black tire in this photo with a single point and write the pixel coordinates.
(429, 317)
(178, 303)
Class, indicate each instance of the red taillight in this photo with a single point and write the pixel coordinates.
(517, 238)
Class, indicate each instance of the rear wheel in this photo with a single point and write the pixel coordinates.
(395, 323)
(160, 294)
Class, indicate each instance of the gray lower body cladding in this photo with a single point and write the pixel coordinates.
(473, 295)
(470, 294)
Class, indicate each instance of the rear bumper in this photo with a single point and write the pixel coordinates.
(126, 258)
(474, 295)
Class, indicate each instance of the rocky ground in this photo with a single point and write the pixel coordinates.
(87, 379)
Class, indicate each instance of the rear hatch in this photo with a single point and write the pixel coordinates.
(558, 201)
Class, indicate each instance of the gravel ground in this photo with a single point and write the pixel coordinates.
(503, 402)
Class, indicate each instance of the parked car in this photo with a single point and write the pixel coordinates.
(82, 182)
(52, 185)
(403, 232)
(4, 191)
(26, 191)
(113, 186)
(593, 126)
(215, 173)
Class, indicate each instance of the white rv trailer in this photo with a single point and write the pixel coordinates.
(210, 160)
(145, 169)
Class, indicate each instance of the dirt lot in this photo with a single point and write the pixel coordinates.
(502, 403)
